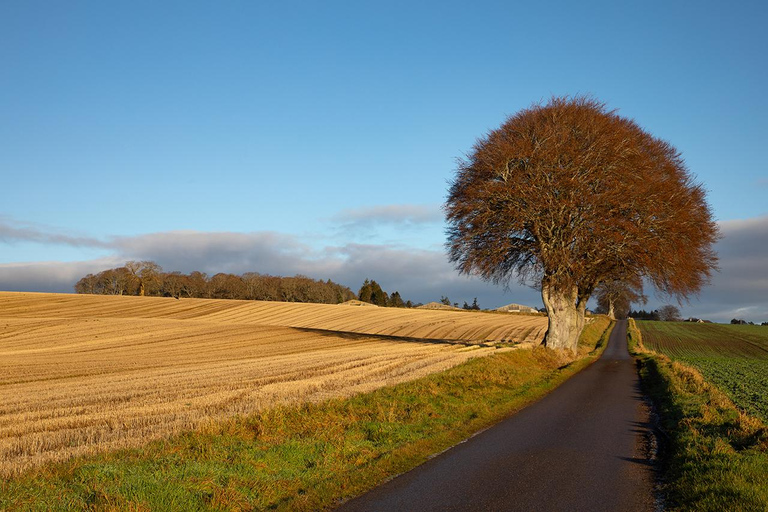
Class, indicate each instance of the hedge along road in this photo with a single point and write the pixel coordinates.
(579, 448)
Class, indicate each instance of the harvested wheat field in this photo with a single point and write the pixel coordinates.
(85, 373)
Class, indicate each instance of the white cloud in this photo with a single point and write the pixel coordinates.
(419, 275)
(214, 252)
(50, 276)
(400, 215)
(740, 289)
(15, 231)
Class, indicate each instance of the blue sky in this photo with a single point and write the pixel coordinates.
(335, 126)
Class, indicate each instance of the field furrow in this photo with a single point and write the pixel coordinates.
(733, 357)
(80, 374)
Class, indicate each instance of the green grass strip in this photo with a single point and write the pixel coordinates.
(310, 456)
(716, 457)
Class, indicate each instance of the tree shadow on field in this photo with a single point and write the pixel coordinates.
(356, 336)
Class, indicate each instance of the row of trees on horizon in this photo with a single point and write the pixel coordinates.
(666, 313)
(372, 293)
(148, 278)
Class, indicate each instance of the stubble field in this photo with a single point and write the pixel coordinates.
(82, 373)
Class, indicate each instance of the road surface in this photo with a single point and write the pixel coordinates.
(579, 448)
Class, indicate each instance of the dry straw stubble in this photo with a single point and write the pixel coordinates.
(80, 374)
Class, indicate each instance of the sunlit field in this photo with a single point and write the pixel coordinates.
(82, 373)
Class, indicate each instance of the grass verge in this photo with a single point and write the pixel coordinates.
(310, 456)
(716, 456)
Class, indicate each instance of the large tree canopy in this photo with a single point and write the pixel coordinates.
(568, 195)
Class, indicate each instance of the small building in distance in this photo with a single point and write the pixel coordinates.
(357, 303)
(436, 305)
(517, 308)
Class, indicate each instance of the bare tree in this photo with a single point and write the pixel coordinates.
(146, 274)
(174, 284)
(668, 313)
(115, 281)
(614, 297)
(253, 285)
(121, 280)
(198, 284)
(567, 195)
(227, 286)
(87, 284)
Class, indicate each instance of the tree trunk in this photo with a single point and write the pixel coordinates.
(611, 313)
(581, 317)
(565, 320)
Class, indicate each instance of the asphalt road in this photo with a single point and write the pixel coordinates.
(579, 448)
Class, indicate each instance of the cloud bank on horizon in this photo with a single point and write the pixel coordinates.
(418, 273)
(739, 290)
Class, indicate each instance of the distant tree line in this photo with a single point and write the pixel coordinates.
(372, 293)
(666, 313)
(642, 314)
(672, 314)
(148, 278)
(739, 321)
(469, 307)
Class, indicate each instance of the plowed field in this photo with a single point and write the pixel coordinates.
(82, 373)
(733, 357)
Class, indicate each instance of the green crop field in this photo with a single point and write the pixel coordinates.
(733, 357)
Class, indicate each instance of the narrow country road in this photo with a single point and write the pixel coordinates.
(580, 448)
